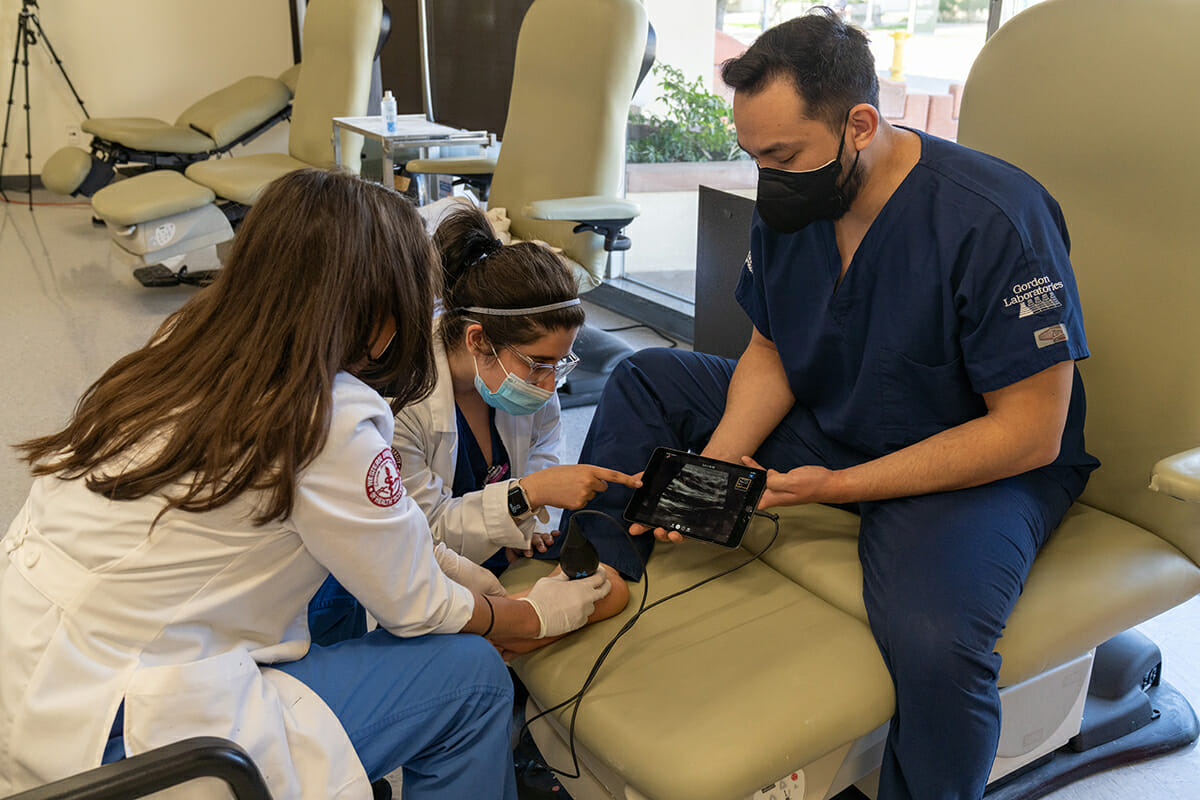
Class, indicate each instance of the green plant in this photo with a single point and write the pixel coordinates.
(696, 124)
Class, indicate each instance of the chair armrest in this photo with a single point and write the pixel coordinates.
(584, 209)
(158, 769)
(606, 216)
(1178, 476)
(451, 166)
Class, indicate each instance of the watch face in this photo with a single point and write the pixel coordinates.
(517, 504)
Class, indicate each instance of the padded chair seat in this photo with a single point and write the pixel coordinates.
(143, 133)
(681, 685)
(213, 122)
(451, 166)
(243, 179)
(227, 114)
(149, 196)
(1097, 576)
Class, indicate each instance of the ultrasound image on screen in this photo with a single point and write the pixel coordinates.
(696, 501)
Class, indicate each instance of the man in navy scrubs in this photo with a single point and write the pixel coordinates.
(916, 324)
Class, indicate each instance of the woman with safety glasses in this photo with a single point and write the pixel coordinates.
(481, 454)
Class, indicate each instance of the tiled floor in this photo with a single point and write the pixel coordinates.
(68, 310)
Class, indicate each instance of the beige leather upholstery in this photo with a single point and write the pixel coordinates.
(339, 41)
(339, 38)
(227, 114)
(290, 77)
(242, 180)
(721, 691)
(1085, 95)
(1085, 127)
(150, 196)
(339, 46)
(145, 133)
(221, 118)
(64, 171)
(576, 66)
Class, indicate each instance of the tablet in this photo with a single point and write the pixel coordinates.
(699, 497)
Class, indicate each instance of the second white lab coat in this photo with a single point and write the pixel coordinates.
(182, 621)
(477, 524)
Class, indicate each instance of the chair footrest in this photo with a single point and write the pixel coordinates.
(150, 196)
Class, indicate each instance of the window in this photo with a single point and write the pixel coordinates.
(923, 51)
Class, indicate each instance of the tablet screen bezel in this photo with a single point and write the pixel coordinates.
(728, 522)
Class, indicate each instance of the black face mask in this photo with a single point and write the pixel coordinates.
(790, 201)
(374, 370)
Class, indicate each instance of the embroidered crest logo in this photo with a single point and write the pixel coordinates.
(384, 488)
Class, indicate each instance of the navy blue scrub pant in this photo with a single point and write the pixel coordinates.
(941, 572)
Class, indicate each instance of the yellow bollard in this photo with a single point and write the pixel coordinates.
(898, 37)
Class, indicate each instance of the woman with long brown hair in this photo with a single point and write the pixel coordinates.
(204, 488)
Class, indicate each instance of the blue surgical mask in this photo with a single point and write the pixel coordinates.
(514, 396)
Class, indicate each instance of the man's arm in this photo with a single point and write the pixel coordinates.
(758, 399)
(1022, 430)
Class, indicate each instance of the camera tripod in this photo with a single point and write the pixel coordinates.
(29, 28)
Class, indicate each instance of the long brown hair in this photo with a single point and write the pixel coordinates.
(234, 391)
(477, 270)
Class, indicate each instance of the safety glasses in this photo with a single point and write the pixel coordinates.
(539, 371)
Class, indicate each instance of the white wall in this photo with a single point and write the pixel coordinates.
(685, 31)
(145, 58)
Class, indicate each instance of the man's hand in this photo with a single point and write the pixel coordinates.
(573, 485)
(801, 485)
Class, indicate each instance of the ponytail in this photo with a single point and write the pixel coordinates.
(478, 270)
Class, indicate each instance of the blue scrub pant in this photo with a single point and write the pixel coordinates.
(941, 572)
(438, 706)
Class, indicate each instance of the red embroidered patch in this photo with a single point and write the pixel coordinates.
(384, 488)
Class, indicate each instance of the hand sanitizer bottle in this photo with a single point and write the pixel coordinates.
(387, 108)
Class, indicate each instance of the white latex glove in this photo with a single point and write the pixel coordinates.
(563, 605)
(466, 572)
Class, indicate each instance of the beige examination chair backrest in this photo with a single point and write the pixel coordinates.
(576, 67)
(1097, 100)
(333, 33)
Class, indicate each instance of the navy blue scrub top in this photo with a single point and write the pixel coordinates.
(962, 285)
(472, 473)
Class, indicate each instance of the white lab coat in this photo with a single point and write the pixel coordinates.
(181, 621)
(477, 524)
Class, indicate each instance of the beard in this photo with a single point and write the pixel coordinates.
(848, 192)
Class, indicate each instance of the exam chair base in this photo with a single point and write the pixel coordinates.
(1175, 728)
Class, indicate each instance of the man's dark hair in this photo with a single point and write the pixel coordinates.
(829, 62)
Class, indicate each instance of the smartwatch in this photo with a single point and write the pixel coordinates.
(518, 502)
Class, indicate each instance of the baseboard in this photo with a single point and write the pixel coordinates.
(643, 307)
(19, 183)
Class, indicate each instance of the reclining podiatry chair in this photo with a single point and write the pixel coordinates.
(173, 765)
(214, 125)
(769, 676)
(559, 170)
(163, 214)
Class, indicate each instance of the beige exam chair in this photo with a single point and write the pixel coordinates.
(562, 158)
(210, 127)
(769, 677)
(560, 171)
(163, 214)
